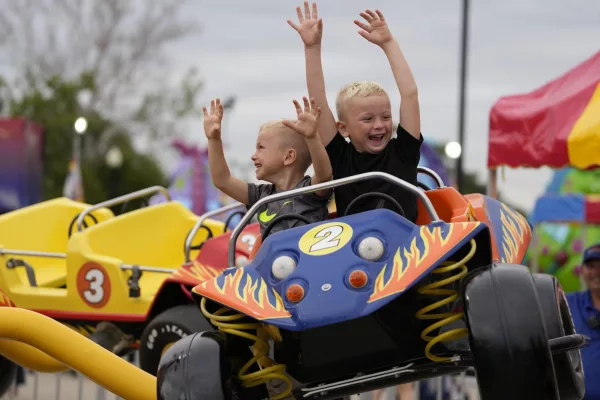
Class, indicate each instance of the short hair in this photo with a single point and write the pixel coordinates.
(355, 89)
(289, 138)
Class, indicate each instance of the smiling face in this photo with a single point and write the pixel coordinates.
(368, 122)
(278, 147)
(365, 116)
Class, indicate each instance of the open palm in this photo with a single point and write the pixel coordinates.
(311, 27)
(307, 119)
(377, 30)
(212, 120)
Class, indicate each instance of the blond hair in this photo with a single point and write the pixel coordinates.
(288, 138)
(355, 89)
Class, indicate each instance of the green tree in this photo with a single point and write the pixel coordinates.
(54, 105)
(106, 60)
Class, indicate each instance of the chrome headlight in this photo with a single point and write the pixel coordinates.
(370, 248)
(241, 261)
(283, 266)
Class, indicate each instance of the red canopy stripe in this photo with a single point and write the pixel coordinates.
(555, 125)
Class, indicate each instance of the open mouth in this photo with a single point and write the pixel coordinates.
(377, 138)
(257, 166)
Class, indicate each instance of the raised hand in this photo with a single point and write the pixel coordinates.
(311, 26)
(377, 30)
(306, 125)
(212, 121)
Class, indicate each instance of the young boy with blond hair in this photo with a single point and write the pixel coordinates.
(284, 151)
(365, 117)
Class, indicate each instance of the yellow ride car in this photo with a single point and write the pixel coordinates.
(124, 281)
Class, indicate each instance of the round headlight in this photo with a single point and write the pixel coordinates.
(283, 266)
(370, 248)
(241, 261)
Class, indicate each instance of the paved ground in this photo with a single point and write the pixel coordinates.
(68, 386)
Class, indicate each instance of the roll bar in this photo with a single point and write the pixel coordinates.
(203, 217)
(433, 174)
(326, 185)
(122, 199)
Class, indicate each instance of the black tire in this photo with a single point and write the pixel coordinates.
(167, 328)
(508, 339)
(8, 375)
(197, 368)
(558, 321)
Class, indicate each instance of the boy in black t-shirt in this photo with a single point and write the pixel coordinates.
(365, 117)
(284, 151)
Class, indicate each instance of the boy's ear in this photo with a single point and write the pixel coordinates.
(290, 157)
(341, 127)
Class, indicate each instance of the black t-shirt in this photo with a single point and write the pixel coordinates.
(399, 158)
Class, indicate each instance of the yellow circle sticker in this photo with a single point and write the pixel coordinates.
(325, 239)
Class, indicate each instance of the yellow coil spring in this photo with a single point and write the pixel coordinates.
(261, 349)
(452, 295)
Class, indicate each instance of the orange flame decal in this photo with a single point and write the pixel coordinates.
(5, 301)
(245, 294)
(434, 245)
(515, 235)
(196, 273)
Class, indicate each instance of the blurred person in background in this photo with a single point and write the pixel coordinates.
(585, 308)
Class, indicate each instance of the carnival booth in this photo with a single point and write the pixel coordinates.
(564, 211)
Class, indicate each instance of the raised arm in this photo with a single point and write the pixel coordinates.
(219, 171)
(377, 31)
(310, 29)
(306, 125)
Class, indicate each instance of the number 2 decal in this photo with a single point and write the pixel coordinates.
(329, 236)
(93, 285)
(325, 239)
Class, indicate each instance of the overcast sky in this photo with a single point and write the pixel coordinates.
(247, 49)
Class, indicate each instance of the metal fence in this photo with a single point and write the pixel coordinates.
(74, 386)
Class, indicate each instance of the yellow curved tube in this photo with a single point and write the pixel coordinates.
(76, 351)
(30, 357)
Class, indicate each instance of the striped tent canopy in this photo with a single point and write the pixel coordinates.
(556, 125)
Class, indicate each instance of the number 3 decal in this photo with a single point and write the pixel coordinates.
(93, 285)
(325, 239)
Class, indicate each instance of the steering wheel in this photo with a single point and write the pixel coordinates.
(423, 186)
(199, 246)
(383, 198)
(228, 220)
(85, 225)
(281, 218)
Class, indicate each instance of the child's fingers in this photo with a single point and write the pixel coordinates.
(205, 112)
(298, 108)
(306, 10)
(364, 34)
(306, 104)
(366, 16)
(300, 16)
(293, 25)
(320, 25)
(372, 14)
(289, 124)
(318, 113)
(212, 107)
(363, 26)
(315, 15)
(380, 15)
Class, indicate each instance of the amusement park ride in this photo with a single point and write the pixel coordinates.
(404, 301)
(320, 311)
